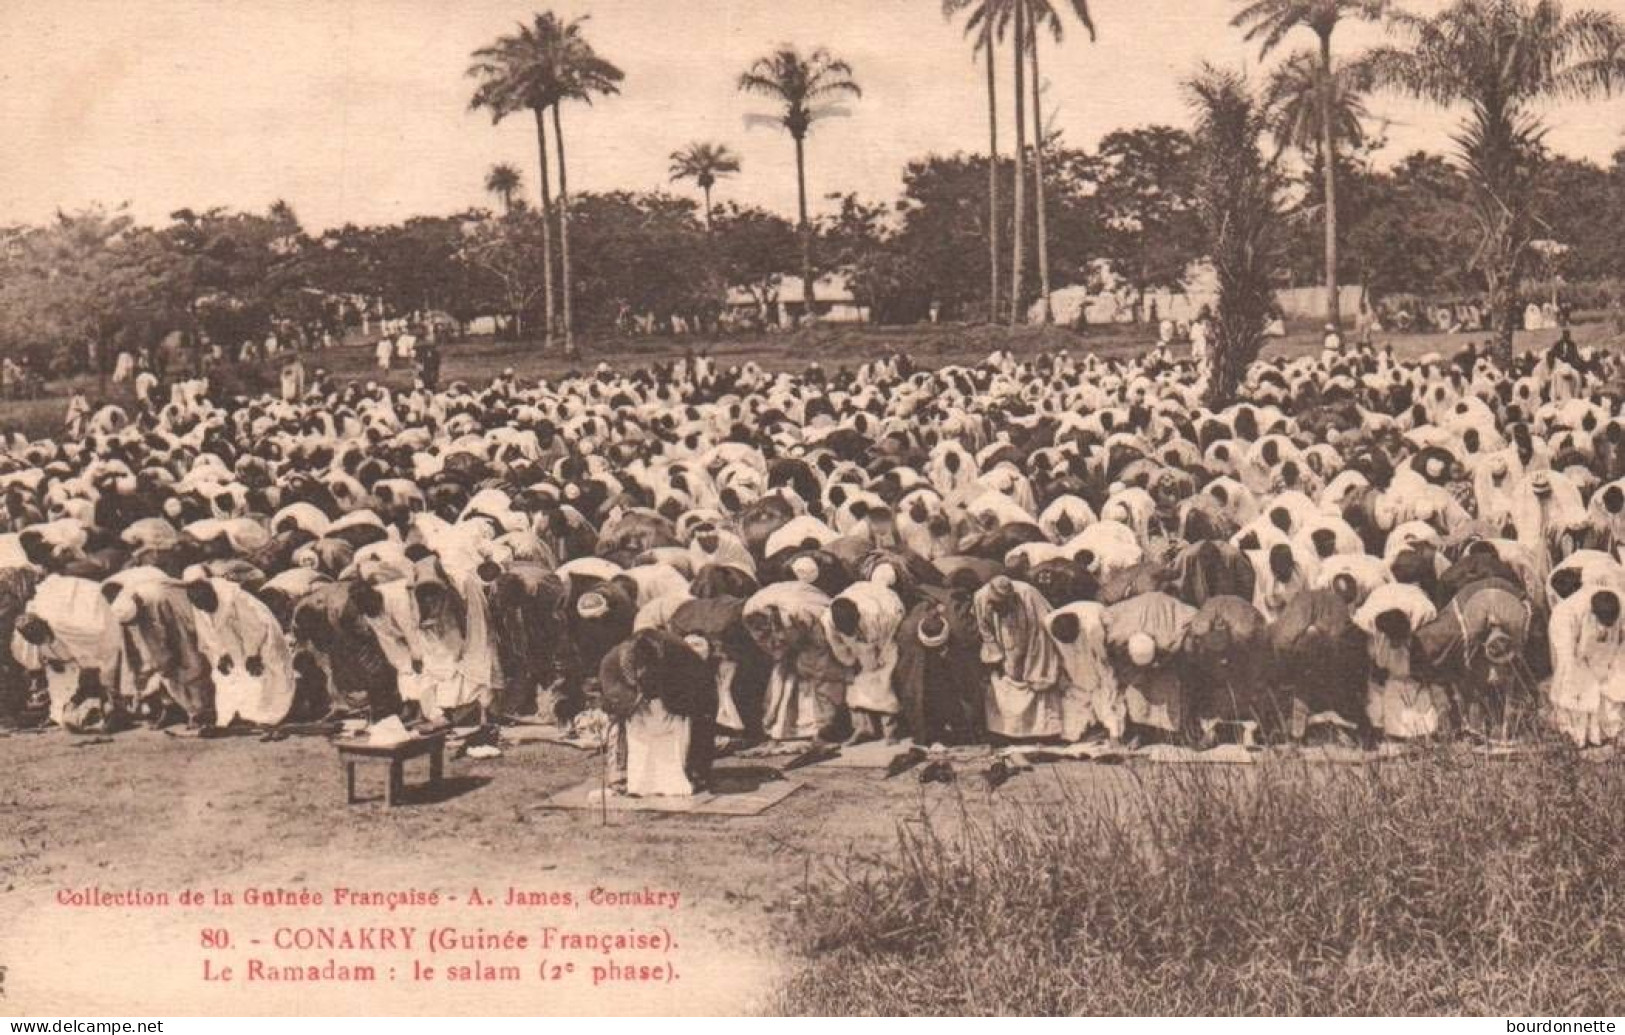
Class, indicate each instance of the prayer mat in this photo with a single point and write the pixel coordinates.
(736, 792)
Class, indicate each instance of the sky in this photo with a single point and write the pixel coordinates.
(357, 110)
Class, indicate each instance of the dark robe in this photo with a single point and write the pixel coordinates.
(594, 637)
(329, 624)
(1063, 581)
(1451, 650)
(943, 689)
(531, 627)
(1319, 656)
(16, 589)
(164, 634)
(1227, 661)
(1209, 569)
(719, 620)
(656, 665)
(722, 580)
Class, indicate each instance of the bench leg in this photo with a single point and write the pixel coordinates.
(397, 783)
(349, 783)
(437, 766)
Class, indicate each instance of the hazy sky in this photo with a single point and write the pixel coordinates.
(356, 110)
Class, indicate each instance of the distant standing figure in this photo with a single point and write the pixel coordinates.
(1532, 317)
(1331, 345)
(429, 365)
(1200, 345)
(73, 424)
(1365, 324)
(123, 367)
(293, 380)
(146, 388)
(386, 352)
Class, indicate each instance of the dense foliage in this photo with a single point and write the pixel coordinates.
(91, 282)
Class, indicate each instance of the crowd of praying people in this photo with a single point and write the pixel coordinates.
(1043, 550)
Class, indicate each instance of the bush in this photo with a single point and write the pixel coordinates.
(1450, 885)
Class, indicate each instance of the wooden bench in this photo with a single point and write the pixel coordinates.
(354, 753)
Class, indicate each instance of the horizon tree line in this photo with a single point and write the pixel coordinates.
(1500, 59)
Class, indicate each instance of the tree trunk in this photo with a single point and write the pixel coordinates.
(1017, 250)
(988, 45)
(1038, 184)
(1501, 279)
(807, 295)
(1328, 151)
(564, 241)
(1228, 362)
(707, 209)
(547, 232)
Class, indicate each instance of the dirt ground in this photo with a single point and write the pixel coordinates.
(158, 813)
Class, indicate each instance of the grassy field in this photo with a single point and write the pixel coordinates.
(479, 361)
(1454, 884)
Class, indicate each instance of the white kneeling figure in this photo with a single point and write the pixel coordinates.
(657, 745)
(1396, 702)
(1587, 693)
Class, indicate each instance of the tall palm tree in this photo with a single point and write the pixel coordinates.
(516, 73)
(807, 86)
(1501, 59)
(504, 181)
(1272, 21)
(705, 163)
(581, 75)
(1018, 250)
(980, 23)
(1293, 100)
(1045, 14)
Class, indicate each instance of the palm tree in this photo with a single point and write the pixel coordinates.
(1270, 22)
(515, 74)
(1237, 194)
(1018, 250)
(504, 181)
(805, 86)
(1045, 14)
(581, 75)
(983, 13)
(704, 163)
(1293, 100)
(1502, 58)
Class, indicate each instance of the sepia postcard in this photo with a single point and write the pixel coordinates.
(742, 508)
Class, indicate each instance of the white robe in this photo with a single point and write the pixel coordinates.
(1023, 698)
(657, 752)
(86, 635)
(242, 628)
(872, 651)
(1091, 695)
(1400, 705)
(1587, 692)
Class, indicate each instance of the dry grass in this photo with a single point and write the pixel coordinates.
(1454, 884)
